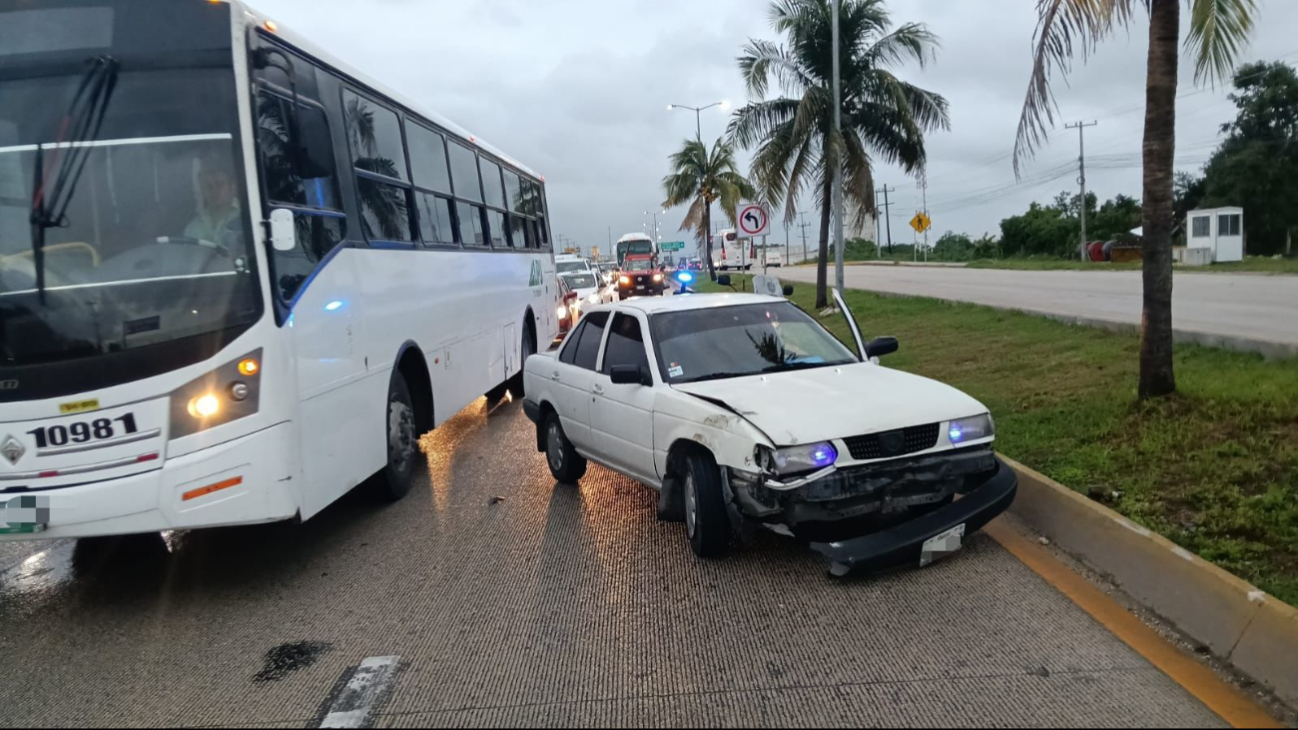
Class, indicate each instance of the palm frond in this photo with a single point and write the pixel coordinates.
(1064, 25)
(754, 121)
(1218, 30)
(763, 59)
(912, 41)
(858, 179)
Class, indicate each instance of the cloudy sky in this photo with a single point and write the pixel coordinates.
(578, 90)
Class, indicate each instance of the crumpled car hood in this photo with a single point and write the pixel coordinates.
(836, 402)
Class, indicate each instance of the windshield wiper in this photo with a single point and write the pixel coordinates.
(715, 376)
(786, 367)
(81, 124)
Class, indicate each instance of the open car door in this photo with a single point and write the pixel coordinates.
(851, 325)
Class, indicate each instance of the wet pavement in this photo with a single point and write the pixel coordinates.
(556, 606)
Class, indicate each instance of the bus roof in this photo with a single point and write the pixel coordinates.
(253, 17)
(634, 237)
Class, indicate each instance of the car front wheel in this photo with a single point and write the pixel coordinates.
(706, 521)
(566, 465)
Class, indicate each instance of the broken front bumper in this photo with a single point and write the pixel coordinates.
(903, 544)
(880, 515)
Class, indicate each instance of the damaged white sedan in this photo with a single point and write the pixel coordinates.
(744, 412)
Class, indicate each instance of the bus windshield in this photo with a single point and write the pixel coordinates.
(153, 245)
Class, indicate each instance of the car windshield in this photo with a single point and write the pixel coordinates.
(581, 281)
(751, 339)
(564, 267)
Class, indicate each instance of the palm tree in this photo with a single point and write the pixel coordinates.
(882, 116)
(702, 178)
(1218, 29)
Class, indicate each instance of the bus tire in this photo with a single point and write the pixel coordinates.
(566, 465)
(402, 438)
(525, 350)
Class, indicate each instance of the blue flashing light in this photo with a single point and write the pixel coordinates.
(684, 277)
(824, 455)
(334, 305)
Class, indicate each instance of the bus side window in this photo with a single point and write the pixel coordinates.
(307, 187)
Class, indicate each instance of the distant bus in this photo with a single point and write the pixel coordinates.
(731, 252)
(634, 243)
(248, 278)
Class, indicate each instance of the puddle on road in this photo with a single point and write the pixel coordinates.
(40, 572)
(288, 658)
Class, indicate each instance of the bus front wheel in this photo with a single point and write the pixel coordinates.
(402, 438)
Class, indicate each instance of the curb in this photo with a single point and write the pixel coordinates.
(1250, 629)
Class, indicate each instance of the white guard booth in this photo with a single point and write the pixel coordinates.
(1220, 230)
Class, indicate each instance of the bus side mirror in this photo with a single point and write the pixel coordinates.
(283, 230)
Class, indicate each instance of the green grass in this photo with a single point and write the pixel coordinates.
(1252, 264)
(1214, 468)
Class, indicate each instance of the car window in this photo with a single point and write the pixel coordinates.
(588, 345)
(570, 344)
(729, 342)
(625, 344)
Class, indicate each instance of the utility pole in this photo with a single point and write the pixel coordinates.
(887, 217)
(803, 225)
(923, 183)
(1081, 177)
(838, 163)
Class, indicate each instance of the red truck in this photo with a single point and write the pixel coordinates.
(640, 277)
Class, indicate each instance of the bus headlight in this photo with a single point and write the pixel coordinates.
(204, 406)
(228, 393)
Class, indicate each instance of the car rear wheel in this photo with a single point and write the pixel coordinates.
(706, 523)
(566, 465)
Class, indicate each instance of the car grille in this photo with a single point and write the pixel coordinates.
(894, 443)
(642, 280)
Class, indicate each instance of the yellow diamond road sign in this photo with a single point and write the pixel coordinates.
(921, 222)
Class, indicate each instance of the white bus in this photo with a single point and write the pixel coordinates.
(237, 278)
(731, 252)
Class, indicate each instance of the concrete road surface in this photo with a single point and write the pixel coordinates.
(557, 606)
(1244, 306)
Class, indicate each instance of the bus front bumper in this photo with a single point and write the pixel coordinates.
(245, 481)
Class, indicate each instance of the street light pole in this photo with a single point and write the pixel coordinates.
(838, 163)
(698, 130)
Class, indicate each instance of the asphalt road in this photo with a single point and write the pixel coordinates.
(1227, 305)
(557, 606)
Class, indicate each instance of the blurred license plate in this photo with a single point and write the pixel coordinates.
(941, 546)
(639, 286)
(24, 528)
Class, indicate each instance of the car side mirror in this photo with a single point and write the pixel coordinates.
(788, 290)
(880, 346)
(723, 279)
(283, 230)
(629, 375)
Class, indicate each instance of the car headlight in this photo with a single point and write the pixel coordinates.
(973, 428)
(624, 280)
(658, 277)
(799, 459)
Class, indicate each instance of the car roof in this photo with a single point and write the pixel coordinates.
(684, 302)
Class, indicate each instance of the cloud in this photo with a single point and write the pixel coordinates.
(577, 89)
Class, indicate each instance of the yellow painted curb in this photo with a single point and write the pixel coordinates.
(1254, 631)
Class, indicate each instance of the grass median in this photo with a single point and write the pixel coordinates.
(1213, 468)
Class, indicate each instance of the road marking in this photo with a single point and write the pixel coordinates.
(368, 683)
(1229, 703)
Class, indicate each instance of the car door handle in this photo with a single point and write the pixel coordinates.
(599, 389)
